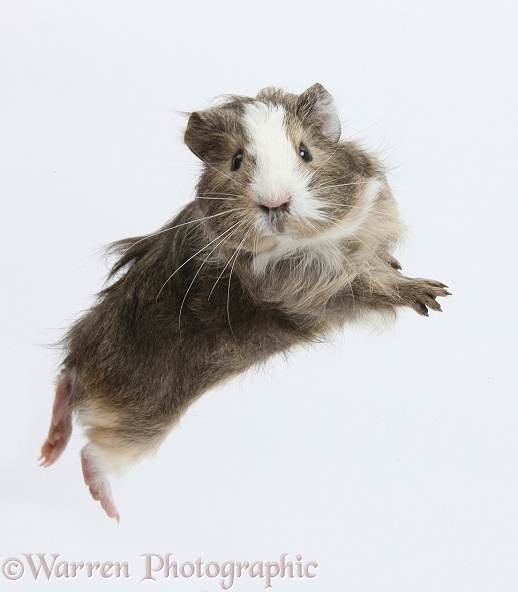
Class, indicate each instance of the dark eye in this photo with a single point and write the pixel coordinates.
(237, 160)
(304, 153)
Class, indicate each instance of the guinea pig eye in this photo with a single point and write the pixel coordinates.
(237, 160)
(305, 154)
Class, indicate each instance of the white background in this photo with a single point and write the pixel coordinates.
(389, 459)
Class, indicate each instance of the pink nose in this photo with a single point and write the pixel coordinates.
(275, 200)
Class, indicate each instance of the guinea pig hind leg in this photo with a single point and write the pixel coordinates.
(60, 425)
(116, 440)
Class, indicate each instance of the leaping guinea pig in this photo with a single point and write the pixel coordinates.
(289, 237)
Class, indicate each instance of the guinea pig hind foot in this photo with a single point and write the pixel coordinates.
(60, 425)
(97, 481)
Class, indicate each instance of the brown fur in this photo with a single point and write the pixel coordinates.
(186, 310)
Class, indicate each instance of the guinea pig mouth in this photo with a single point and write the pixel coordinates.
(276, 217)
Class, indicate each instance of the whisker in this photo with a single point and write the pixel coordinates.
(236, 253)
(324, 206)
(173, 227)
(217, 279)
(185, 262)
(336, 249)
(204, 261)
(223, 193)
(340, 220)
(322, 187)
(359, 208)
(359, 239)
(221, 198)
(222, 272)
(332, 246)
(362, 130)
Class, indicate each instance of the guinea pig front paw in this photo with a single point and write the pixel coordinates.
(420, 294)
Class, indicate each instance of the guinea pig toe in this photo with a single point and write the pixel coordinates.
(53, 446)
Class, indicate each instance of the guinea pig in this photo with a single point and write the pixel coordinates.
(289, 236)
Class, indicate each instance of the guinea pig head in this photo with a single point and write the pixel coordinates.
(274, 170)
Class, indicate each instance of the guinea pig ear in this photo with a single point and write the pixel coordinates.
(315, 106)
(197, 135)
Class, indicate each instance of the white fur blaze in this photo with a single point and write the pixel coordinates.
(278, 175)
